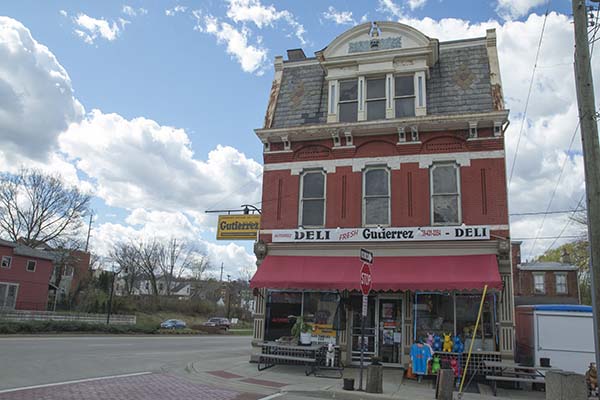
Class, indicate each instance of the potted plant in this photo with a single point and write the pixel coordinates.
(301, 331)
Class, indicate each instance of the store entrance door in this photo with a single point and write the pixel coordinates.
(371, 337)
(383, 329)
(390, 330)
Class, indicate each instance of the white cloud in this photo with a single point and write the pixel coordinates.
(175, 10)
(91, 28)
(414, 4)
(513, 9)
(132, 12)
(140, 164)
(262, 16)
(339, 17)
(389, 7)
(251, 58)
(36, 97)
(63, 13)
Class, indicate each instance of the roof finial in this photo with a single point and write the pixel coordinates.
(375, 31)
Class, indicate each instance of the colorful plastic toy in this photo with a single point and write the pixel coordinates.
(447, 347)
(435, 365)
(437, 343)
(458, 346)
(429, 339)
(454, 366)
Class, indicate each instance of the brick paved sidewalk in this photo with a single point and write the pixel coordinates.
(141, 387)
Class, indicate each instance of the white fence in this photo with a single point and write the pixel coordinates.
(19, 315)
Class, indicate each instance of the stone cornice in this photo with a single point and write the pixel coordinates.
(428, 123)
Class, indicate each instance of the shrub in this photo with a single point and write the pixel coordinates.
(13, 327)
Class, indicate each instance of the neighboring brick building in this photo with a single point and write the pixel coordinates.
(544, 282)
(390, 140)
(24, 277)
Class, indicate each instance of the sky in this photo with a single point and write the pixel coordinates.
(151, 105)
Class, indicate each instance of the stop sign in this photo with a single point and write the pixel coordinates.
(365, 279)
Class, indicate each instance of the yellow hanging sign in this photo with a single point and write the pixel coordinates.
(238, 227)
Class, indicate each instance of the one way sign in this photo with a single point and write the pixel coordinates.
(366, 256)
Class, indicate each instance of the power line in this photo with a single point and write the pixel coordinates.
(236, 191)
(549, 237)
(542, 212)
(537, 54)
(567, 224)
(562, 169)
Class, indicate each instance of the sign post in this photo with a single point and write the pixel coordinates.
(365, 287)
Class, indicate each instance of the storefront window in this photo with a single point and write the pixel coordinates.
(434, 314)
(280, 306)
(320, 312)
(467, 308)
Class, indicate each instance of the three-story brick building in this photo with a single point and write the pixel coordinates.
(392, 141)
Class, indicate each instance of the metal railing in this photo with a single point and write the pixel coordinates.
(21, 315)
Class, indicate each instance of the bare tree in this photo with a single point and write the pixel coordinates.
(126, 256)
(39, 208)
(147, 256)
(199, 265)
(175, 257)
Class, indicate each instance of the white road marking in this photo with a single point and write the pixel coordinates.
(273, 396)
(75, 381)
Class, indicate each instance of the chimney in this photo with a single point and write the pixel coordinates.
(296, 55)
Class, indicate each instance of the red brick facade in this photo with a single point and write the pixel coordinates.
(483, 183)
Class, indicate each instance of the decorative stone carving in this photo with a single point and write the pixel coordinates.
(384, 44)
(464, 77)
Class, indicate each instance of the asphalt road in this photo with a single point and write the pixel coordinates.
(36, 360)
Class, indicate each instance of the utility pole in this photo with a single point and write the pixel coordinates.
(221, 278)
(591, 151)
(228, 296)
(87, 240)
(111, 294)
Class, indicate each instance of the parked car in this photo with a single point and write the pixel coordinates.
(173, 324)
(219, 322)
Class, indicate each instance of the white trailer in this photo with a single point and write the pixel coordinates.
(563, 333)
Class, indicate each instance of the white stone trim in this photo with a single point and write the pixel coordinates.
(394, 162)
(332, 101)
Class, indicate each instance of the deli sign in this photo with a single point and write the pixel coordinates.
(389, 234)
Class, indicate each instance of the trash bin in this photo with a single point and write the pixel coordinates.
(375, 378)
(348, 383)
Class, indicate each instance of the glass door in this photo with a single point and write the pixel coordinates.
(390, 330)
(371, 337)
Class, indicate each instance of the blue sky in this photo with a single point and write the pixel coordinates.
(191, 80)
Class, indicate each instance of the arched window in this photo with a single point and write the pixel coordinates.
(312, 199)
(376, 197)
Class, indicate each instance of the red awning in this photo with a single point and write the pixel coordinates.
(440, 273)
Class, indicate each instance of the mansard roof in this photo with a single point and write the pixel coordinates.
(459, 76)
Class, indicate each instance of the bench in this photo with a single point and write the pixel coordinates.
(312, 357)
(309, 362)
(515, 379)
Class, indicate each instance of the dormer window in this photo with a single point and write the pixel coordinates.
(348, 102)
(377, 97)
(404, 96)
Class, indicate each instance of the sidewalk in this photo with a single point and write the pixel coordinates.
(239, 374)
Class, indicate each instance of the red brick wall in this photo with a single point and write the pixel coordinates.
(524, 284)
(483, 184)
(32, 293)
